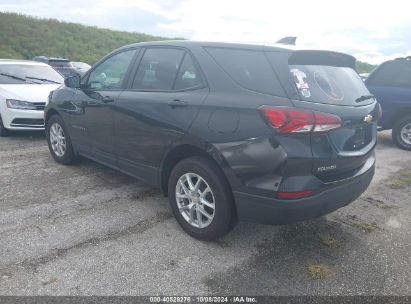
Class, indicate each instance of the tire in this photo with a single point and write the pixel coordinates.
(223, 218)
(3, 131)
(66, 156)
(398, 133)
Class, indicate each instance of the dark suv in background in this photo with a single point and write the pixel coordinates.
(227, 131)
(61, 65)
(391, 85)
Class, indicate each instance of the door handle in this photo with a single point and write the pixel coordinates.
(107, 99)
(177, 103)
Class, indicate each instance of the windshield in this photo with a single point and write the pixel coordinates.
(28, 74)
(329, 84)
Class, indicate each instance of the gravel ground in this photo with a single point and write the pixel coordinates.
(89, 230)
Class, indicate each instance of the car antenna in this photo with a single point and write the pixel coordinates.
(287, 40)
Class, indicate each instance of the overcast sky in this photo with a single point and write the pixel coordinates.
(372, 31)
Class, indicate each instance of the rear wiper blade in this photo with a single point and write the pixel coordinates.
(43, 79)
(364, 97)
(14, 77)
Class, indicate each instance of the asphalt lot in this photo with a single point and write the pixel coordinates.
(89, 230)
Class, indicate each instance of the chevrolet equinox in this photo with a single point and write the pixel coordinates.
(227, 131)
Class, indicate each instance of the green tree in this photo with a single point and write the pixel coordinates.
(363, 67)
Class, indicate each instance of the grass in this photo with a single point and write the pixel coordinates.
(402, 181)
(329, 241)
(318, 271)
(366, 227)
(359, 223)
(80, 43)
(384, 206)
(378, 203)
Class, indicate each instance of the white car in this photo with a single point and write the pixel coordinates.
(24, 90)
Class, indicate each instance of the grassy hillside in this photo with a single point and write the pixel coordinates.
(23, 37)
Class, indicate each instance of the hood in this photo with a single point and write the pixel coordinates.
(27, 92)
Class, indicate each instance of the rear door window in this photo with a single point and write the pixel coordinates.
(393, 74)
(158, 69)
(329, 84)
(248, 68)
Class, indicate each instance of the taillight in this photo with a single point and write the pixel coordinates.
(295, 120)
(326, 122)
(294, 195)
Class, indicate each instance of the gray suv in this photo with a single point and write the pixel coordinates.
(227, 131)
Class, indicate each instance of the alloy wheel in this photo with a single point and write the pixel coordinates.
(406, 134)
(57, 139)
(195, 200)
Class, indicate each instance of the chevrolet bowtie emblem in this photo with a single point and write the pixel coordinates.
(368, 118)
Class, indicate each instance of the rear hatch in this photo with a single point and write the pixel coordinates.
(327, 82)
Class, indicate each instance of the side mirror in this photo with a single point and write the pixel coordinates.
(73, 81)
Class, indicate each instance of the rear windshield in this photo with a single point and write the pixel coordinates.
(60, 63)
(28, 74)
(329, 84)
(248, 68)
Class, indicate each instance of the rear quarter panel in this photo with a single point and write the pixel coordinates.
(234, 130)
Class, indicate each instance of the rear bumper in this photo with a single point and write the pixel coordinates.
(270, 210)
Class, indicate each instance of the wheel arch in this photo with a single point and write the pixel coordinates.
(185, 150)
(50, 113)
(399, 114)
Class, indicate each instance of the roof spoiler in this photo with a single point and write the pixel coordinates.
(311, 57)
(287, 40)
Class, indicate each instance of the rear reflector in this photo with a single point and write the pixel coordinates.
(294, 195)
(295, 120)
